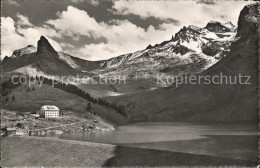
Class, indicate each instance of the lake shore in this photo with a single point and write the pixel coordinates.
(50, 152)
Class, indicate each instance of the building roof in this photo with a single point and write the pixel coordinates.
(50, 107)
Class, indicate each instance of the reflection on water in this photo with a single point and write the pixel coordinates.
(158, 132)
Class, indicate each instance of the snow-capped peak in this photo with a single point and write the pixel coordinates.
(217, 27)
(202, 47)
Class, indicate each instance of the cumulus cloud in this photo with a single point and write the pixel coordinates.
(15, 35)
(94, 2)
(188, 12)
(122, 36)
(10, 39)
(23, 20)
(76, 22)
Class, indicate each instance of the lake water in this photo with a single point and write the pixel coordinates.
(149, 132)
(231, 141)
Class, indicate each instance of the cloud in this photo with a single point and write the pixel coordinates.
(75, 22)
(208, 2)
(92, 2)
(12, 2)
(15, 35)
(23, 20)
(118, 36)
(122, 36)
(66, 45)
(188, 12)
(10, 39)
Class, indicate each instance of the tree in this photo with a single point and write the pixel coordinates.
(89, 107)
(4, 131)
(6, 99)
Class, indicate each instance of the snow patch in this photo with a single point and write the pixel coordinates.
(66, 58)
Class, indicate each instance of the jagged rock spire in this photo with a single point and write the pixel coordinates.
(44, 46)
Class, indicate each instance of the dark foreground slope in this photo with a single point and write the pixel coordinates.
(65, 153)
(211, 102)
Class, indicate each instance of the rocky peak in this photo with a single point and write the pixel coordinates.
(182, 34)
(44, 46)
(26, 50)
(216, 27)
(149, 46)
(248, 22)
(187, 33)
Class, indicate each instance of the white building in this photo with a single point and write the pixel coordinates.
(50, 111)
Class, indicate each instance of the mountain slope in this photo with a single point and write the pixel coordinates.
(30, 100)
(210, 102)
(52, 64)
(45, 60)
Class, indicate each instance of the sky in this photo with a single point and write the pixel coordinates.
(98, 30)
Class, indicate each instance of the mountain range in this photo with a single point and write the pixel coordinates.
(213, 49)
(191, 50)
(211, 102)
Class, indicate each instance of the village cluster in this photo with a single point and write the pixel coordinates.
(48, 119)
